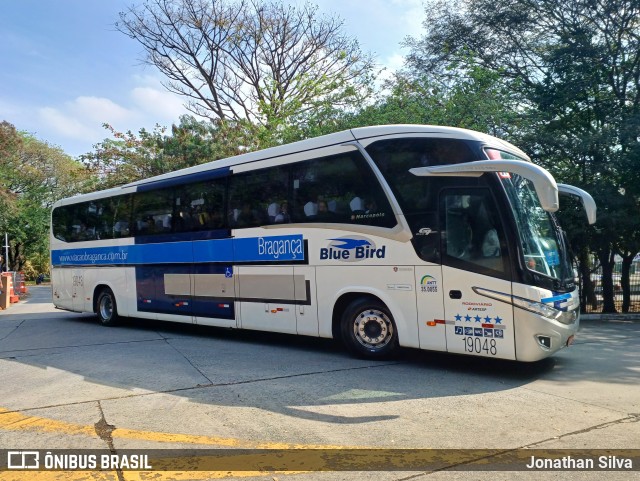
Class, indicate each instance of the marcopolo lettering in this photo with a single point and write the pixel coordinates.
(352, 249)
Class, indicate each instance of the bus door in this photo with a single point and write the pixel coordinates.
(475, 255)
(266, 296)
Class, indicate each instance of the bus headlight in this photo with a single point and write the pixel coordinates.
(544, 310)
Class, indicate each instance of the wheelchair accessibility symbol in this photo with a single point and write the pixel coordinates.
(228, 272)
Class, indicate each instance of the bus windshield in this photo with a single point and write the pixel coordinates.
(541, 240)
(542, 243)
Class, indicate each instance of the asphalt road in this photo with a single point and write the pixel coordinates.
(68, 383)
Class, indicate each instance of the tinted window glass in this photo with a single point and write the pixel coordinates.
(339, 188)
(86, 221)
(122, 216)
(259, 197)
(473, 231)
(395, 157)
(200, 206)
(152, 212)
(61, 219)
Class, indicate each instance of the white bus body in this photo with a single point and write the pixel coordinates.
(407, 235)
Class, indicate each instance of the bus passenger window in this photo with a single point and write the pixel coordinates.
(258, 197)
(339, 189)
(153, 212)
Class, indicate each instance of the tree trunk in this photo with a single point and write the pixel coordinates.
(625, 282)
(607, 260)
(588, 293)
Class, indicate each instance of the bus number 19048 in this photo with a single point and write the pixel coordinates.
(480, 345)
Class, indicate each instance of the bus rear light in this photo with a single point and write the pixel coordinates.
(571, 340)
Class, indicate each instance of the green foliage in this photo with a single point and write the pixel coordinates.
(127, 157)
(575, 67)
(561, 80)
(33, 175)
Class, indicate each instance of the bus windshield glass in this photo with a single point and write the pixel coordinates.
(540, 237)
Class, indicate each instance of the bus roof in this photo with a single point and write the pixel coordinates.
(360, 133)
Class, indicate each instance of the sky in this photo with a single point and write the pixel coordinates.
(65, 70)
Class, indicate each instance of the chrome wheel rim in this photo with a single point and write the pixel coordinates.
(106, 308)
(373, 329)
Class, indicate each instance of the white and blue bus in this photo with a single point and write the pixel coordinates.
(406, 235)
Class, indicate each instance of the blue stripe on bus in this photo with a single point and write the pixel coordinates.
(251, 249)
(561, 297)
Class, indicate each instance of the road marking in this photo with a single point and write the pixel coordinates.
(134, 475)
(16, 421)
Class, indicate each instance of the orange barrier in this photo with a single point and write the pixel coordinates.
(13, 298)
(5, 300)
(22, 286)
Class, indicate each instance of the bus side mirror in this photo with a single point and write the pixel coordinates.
(587, 201)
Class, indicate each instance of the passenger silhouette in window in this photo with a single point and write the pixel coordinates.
(282, 217)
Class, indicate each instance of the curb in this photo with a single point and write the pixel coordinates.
(629, 317)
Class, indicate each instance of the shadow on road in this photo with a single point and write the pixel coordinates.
(213, 365)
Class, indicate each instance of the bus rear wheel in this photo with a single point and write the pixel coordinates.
(368, 329)
(106, 308)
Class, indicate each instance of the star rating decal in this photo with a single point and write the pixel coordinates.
(485, 320)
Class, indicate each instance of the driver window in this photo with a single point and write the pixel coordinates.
(473, 232)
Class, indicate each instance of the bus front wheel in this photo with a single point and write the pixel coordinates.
(106, 308)
(368, 329)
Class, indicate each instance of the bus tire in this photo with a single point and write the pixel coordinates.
(106, 308)
(368, 329)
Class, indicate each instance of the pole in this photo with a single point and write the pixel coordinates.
(6, 252)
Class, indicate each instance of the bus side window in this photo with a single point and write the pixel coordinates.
(473, 230)
(259, 197)
(61, 219)
(339, 189)
(152, 212)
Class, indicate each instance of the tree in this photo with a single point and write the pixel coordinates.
(33, 175)
(127, 157)
(249, 60)
(577, 64)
